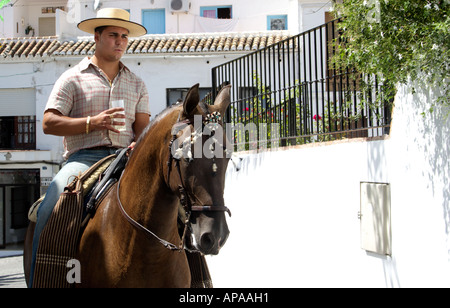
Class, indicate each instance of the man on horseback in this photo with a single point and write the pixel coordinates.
(80, 106)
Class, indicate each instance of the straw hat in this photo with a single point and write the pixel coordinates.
(112, 17)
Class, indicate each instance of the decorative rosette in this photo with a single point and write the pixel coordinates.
(214, 117)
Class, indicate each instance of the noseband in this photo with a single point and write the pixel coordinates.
(185, 199)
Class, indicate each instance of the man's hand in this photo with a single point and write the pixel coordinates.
(105, 120)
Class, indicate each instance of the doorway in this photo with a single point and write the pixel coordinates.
(19, 189)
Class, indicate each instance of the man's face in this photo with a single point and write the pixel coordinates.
(112, 43)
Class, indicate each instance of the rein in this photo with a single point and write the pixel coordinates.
(185, 199)
(140, 227)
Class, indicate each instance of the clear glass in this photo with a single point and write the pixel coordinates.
(119, 103)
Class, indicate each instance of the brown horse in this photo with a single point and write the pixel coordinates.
(132, 239)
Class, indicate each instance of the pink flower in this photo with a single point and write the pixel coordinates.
(317, 117)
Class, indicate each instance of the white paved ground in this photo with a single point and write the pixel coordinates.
(11, 272)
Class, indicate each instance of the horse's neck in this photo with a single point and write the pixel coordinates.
(145, 195)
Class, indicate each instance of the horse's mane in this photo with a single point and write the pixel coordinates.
(164, 113)
(158, 118)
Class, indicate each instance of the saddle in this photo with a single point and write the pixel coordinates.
(109, 177)
(94, 183)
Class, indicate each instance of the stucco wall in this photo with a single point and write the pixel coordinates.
(295, 211)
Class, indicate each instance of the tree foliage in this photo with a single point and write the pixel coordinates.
(397, 40)
(2, 4)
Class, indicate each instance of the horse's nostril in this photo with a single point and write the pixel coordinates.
(207, 241)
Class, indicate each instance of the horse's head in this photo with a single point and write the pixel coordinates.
(197, 166)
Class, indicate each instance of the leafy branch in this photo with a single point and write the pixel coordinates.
(397, 41)
(2, 4)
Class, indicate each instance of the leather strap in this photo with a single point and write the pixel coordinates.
(209, 208)
(140, 227)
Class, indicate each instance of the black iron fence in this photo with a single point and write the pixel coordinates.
(289, 94)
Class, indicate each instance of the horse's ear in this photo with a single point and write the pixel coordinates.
(192, 100)
(223, 99)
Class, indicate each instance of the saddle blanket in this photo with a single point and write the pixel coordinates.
(59, 239)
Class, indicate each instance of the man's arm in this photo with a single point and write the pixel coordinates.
(55, 123)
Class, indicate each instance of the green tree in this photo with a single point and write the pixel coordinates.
(2, 4)
(397, 40)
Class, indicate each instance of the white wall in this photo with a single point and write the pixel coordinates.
(6, 27)
(249, 15)
(295, 222)
(419, 168)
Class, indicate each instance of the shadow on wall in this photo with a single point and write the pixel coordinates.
(434, 142)
(416, 159)
(428, 133)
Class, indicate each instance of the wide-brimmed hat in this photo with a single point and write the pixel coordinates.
(115, 18)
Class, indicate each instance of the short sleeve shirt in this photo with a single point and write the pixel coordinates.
(85, 90)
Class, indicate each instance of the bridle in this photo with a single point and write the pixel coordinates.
(185, 199)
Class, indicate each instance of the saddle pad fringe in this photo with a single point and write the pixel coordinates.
(58, 242)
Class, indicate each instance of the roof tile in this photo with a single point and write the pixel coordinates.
(14, 48)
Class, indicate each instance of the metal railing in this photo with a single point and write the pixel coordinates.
(289, 93)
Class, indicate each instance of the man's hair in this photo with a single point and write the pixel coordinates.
(100, 29)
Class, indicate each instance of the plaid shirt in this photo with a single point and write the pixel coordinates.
(85, 90)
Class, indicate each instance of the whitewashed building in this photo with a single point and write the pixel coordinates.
(302, 215)
(186, 39)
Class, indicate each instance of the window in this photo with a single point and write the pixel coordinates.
(277, 22)
(18, 133)
(26, 132)
(175, 95)
(218, 12)
(250, 100)
(154, 21)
